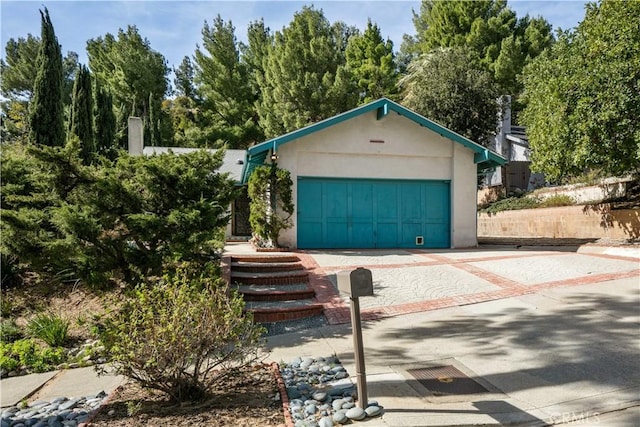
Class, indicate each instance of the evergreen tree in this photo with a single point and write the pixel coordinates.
(305, 79)
(503, 42)
(371, 62)
(81, 116)
(153, 124)
(183, 80)
(254, 55)
(131, 70)
(224, 86)
(105, 121)
(46, 113)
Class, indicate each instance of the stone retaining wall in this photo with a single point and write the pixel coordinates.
(568, 222)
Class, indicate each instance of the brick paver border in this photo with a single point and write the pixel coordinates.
(337, 311)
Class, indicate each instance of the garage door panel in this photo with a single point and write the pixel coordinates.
(411, 202)
(335, 200)
(362, 202)
(387, 235)
(353, 213)
(337, 235)
(437, 202)
(309, 233)
(362, 235)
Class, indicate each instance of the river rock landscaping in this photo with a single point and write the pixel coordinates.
(58, 412)
(321, 393)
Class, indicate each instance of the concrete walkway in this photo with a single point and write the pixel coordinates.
(558, 355)
(552, 335)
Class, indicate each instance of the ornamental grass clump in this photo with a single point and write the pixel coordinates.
(182, 335)
(50, 328)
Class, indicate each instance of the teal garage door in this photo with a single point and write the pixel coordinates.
(364, 213)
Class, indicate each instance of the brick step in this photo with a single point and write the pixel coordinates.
(283, 310)
(264, 259)
(270, 278)
(259, 267)
(278, 295)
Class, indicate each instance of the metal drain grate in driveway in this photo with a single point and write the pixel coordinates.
(446, 380)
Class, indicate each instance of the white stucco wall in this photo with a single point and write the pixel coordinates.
(409, 151)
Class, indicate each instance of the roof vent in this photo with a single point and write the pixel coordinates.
(240, 162)
(376, 141)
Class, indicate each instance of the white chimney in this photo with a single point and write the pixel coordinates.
(136, 136)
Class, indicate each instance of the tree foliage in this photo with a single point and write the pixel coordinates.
(450, 87)
(183, 80)
(105, 122)
(81, 116)
(503, 42)
(122, 221)
(16, 85)
(46, 112)
(371, 62)
(583, 96)
(224, 87)
(133, 73)
(271, 203)
(305, 79)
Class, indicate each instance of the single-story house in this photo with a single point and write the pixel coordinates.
(378, 176)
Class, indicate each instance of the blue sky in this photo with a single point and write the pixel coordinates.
(173, 27)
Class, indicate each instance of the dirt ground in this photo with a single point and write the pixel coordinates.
(252, 403)
(243, 401)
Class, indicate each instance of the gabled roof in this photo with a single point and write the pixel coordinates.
(232, 163)
(257, 154)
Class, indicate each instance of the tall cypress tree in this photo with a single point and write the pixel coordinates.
(46, 115)
(82, 113)
(105, 121)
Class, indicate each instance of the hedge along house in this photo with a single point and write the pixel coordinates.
(378, 176)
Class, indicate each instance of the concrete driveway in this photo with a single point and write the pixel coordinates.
(553, 336)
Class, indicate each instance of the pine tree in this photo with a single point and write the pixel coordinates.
(81, 122)
(183, 80)
(305, 79)
(224, 86)
(371, 62)
(46, 117)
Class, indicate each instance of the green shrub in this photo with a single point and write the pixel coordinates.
(27, 353)
(181, 335)
(271, 204)
(50, 328)
(121, 220)
(9, 331)
(557, 200)
(512, 203)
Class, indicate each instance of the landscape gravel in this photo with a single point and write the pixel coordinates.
(289, 326)
(57, 412)
(321, 393)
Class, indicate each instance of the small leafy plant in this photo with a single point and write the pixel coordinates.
(181, 335)
(9, 331)
(50, 328)
(26, 352)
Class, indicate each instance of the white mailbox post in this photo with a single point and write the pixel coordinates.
(357, 283)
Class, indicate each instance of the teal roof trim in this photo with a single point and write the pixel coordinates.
(251, 162)
(258, 153)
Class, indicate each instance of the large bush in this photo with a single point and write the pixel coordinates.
(182, 335)
(125, 219)
(271, 203)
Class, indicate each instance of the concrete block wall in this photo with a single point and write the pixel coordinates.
(567, 222)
